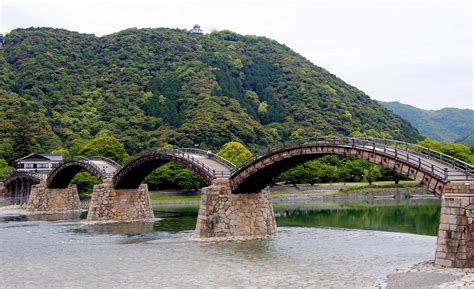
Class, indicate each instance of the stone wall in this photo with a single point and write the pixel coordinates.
(228, 216)
(45, 200)
(3, 190)
(455, 247)
(111, 205)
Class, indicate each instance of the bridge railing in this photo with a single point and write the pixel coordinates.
(214, 156)
(107, 160)
(185, 153)
(442, 165)
(25, 173)
(89, 161)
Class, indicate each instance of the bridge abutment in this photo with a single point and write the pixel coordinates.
(455, 247)
(119, 205)
(45, 200)
(230, 216)
(3, 190)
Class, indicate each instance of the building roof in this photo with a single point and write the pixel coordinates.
(41, 157)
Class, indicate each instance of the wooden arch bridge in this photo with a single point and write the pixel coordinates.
(237, 203)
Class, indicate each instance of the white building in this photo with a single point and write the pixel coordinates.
(197, 30)
(38, 162)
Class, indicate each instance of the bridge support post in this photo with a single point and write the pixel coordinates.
(228, 216)
(45, 200)
(112, 205)
(455, 247)
(3, 190)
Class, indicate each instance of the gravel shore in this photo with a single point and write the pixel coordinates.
(427, 275)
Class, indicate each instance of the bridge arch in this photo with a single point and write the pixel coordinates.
(432, 169)
(19, 184)
(62, 175)
(208, 167)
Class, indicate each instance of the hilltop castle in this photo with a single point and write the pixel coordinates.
(196, 30)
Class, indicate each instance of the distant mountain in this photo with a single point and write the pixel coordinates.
(467, 140)
(447, 124)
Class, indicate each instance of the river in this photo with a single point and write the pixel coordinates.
(318, 244)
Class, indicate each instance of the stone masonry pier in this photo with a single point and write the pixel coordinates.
(119, 205)
(227, 216)
(455, 246)
(49, 201)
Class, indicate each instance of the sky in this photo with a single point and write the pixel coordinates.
(417, 52)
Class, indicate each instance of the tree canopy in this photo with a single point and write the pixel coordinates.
(235, 152)
(457, 150)
(157, 87)
(5, 170)
(103, 144)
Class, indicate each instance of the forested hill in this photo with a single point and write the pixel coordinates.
(447, 124)
(155, 87)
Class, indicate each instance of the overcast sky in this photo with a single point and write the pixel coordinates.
(417, 52)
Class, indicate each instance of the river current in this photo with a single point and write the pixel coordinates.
(68, 253)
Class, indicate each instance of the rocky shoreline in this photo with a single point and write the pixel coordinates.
(427, 275)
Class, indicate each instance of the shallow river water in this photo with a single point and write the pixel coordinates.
(68, 253)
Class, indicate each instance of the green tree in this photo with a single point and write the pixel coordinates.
(103, 144)
(235, 152)
(24, 137)
(188, 180)
(459, 151)
(372, 174)
(85, 183)
(5, 170)
(172, 175)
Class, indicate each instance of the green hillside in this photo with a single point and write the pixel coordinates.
(156, 87)
(447, 124)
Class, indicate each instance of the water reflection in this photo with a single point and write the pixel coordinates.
(39, 217)
(254, 250)
(128, 229)
(420, 218)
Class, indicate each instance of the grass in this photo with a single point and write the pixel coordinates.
(171, 199)
(380, 186)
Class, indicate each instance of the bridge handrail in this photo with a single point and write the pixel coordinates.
(24, 173)
(89, 161)
(180, 153)
(107, 160)
(384, 144)
(441, 156)
(217, 157)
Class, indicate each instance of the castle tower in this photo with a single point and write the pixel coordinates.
(197, 30)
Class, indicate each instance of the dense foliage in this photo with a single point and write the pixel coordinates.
(447, 124)
(235, 152)
(456, 150)
(5, 170)
(85, 183)
(332, 168)
(172, 175)
(103, 144)
(157, 87)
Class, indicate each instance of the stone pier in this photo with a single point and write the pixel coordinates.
(48, 201)
(3, 190)
(112, 205)
(455, 246)
(227, 216)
